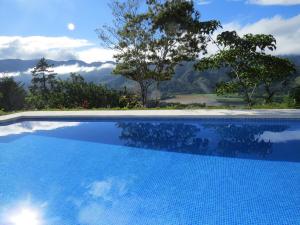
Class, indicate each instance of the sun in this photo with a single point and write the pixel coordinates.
(25, 216)
(71, 26)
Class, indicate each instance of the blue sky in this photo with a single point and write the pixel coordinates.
(21, 20)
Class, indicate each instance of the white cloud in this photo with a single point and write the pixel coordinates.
(76, 68)
(106, 66)
(63, 69)
(10, 74)
(285, 30)
(274, 2)
(95, 54)
(56, 48)
(277, 137)
(31, 127)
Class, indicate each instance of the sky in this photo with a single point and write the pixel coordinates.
(65, 29)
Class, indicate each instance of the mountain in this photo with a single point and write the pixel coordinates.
(98, 72)
(185, 81)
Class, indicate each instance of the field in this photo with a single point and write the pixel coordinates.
(208, 99)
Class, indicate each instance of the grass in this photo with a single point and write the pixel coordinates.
(208, 99)
(227, 102)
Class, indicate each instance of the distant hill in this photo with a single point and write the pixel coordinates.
(98, 72)
(185, 81)
(188, 81)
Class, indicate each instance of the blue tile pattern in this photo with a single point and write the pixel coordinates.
(190, 172)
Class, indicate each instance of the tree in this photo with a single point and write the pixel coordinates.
(12, 94)
(75, 92)
(273, 72)
(239, 56)
(43, 79)
(295, 95)
(151, 43)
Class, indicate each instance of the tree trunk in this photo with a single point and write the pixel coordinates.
(45, 94)
(247, 96)
(248, 99)
(44, 83)
(144, 93)
(270, 95)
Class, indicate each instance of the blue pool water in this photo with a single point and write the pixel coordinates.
(134, 172)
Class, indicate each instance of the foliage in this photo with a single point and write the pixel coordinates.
(129, 101)
(273, 73)
(43, 81)
(150, 44)
(12, 94)
(248, 65)
(75, 92)
(295, 95)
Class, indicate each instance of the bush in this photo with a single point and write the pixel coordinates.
(295, 95)
(12, 94)
(130, 101)
(75, 92)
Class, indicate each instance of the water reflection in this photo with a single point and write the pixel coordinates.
(107, 202)
(105, 173)
(228, 139)
(177, 137)
(233, 138)
(23, 214)
(33, 126)
(279, 137)
(244, 139)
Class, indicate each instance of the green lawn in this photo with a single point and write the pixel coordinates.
(208, 99)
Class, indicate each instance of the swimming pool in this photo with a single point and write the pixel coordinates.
(150, 172)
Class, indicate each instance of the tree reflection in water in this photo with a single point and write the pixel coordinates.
(177, 137)
(219, 139)
(237, 140)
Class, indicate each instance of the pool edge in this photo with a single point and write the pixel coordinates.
(164, 114)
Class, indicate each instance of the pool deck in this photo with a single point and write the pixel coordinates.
(114, 114)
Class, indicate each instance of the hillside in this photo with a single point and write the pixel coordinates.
(185, 81)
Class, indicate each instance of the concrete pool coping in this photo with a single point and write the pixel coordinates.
(165, 114)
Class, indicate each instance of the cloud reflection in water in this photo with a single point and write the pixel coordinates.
(33, 126)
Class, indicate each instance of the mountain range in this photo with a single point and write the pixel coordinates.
(185, 81)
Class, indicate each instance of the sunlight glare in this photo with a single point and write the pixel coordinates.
(25, 216)
(71, 26)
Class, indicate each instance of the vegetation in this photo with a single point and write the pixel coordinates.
(295, 96)
(43, 81)
(12, 94)
(49, 92)
(76, 93)
(151, 41)
(248, 65)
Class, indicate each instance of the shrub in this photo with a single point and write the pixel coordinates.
(295, 95)
(12, 94)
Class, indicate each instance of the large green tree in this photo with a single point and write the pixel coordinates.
(150, 43)
(273, 73)
(242, 57)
